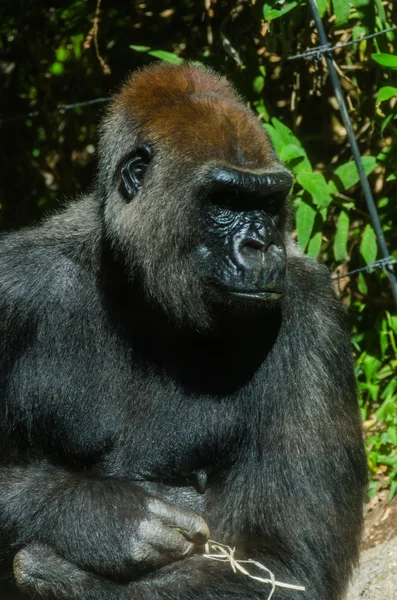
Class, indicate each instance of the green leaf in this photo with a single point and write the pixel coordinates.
(314, 247)
(383, 342)
(387, 409)
(286, 133)
(392, 430)
(342, 232)
(166, 56)
(362, 284)
(368, 246)
(390, 388)
(372, 489)
(271, 13)
(57, 68)
(275, 137)
(296, 158)
(393, 323)
(261, 109)
(358, 32)
(371, 366)
(322, 7)
(305, 216)
(386, 60)
(361, 3)
(62, 54)
(315, 184)
(393, 490)
(258, 84)
(161, 54)
(342, 11)
(381, 12)
(140, 48)
(282, 136)
(77, 43)
(346, 175)
(385, 93)
(386, 122)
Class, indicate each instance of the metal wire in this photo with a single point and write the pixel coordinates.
(355, 149)
(382, 263)
(59, 108)
(318, 51)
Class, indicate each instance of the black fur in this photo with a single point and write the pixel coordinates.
(110, 399)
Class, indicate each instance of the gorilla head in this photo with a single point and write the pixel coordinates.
(194, 195)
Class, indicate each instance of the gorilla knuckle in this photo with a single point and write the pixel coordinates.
(199, 530)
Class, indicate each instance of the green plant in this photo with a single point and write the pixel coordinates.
(331, 224)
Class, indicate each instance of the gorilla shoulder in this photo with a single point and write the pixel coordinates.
(44, 263)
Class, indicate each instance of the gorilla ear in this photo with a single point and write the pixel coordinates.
(132, 172)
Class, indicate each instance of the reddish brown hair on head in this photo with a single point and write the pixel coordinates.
(197, 112)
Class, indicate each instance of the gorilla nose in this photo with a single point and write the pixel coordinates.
(250, 248)
(250, 251)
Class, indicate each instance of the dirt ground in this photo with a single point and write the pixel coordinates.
(375, 578)
(380, 521)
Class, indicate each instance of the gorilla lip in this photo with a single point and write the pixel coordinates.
(258, 294)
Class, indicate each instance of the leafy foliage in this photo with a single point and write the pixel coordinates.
(49, 58)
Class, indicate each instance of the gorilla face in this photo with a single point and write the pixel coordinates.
(245, 250)
(195, 198)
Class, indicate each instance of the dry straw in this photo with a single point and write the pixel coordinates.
(223, 553)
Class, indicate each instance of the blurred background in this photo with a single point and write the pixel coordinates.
(54, 54)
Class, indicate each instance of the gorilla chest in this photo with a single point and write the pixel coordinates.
(174, 447)
(175, 425)
(176, 439)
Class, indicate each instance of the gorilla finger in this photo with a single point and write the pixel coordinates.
(192, 526)
(39, 569)
(169, 542)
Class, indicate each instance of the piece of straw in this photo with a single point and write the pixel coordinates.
(225, 553)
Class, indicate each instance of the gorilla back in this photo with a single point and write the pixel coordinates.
(171, 366)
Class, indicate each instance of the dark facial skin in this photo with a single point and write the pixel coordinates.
(245, 251)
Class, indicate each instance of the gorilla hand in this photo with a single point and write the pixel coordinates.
(135, 533)
(164, 534)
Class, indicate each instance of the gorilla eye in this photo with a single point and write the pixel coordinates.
(133, 170)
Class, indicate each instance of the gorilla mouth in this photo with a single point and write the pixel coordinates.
(260, 284)
(265, 294)
(236, 292)
(243, 284)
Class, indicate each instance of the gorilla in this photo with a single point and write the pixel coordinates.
(174, 369)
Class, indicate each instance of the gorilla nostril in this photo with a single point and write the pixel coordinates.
(251, 247)
(255, 244)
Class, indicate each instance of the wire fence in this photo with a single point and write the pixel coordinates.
(59, 109)
(373, 213)
(319, 51)
(325, 50)
(383, 263)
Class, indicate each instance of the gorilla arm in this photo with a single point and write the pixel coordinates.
(40, 571)
(105, 525)
(292, 531)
